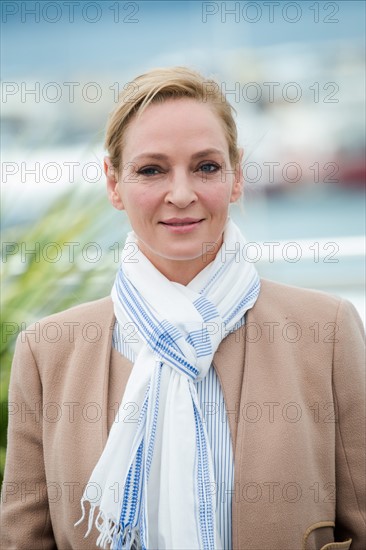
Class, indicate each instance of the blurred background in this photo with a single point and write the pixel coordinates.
(294, 71)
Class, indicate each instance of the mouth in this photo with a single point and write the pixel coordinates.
(175, 222)
(181, 226)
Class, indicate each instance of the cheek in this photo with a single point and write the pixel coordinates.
(217, 200)
(139, 201)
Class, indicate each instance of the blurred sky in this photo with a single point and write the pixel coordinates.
(162, 31)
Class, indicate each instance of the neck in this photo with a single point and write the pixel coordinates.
(181, 271)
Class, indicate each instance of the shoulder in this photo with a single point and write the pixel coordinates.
(97, 310)
(307, 307)
(278, 302)
(278, 297)
(77, 327)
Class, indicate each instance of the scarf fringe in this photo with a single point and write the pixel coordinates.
(90, 518)
(110, 532)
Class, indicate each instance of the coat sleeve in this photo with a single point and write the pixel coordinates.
(349, 395)
(25, 517)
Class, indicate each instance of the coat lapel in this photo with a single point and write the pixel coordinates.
(231, 362)
(120, 370)
(228, 362)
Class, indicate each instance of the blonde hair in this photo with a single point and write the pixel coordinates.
(157, 86)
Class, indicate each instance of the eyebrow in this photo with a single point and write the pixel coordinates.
(199, 154)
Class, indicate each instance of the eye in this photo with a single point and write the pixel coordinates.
(148, 171)
(209, 167)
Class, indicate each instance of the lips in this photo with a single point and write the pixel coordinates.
(181, 226)
(179, 222)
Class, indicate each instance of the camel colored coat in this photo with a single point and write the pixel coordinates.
(293, 383)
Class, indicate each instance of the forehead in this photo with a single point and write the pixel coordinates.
(182, 123)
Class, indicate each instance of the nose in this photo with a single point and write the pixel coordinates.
(181, 190)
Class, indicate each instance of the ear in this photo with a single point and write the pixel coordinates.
(238, 183)
(112, 184)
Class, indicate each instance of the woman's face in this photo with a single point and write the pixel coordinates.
(176, 183)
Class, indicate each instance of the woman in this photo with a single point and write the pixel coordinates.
(203, 412)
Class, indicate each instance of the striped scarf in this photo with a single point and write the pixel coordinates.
(154, 478)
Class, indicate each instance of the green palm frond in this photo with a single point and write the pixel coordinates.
(36, 285)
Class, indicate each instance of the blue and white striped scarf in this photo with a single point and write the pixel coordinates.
(154, 478)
